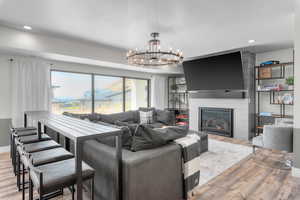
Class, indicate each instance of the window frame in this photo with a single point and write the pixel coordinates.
(93, 85)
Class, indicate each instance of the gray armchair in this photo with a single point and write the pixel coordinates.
(275, 137)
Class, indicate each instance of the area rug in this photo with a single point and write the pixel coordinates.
(220, 156)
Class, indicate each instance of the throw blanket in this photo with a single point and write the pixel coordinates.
(145, 137)
(190, 160)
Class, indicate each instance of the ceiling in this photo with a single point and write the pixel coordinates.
(197, 27)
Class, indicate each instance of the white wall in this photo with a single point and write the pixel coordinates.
(5, 87)
(71, 50)
(296, 169)
(74, 67)
(36, 43)
(284, 55)
(5, 101)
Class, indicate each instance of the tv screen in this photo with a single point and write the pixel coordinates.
(222, 72)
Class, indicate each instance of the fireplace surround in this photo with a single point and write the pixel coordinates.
(216, 120)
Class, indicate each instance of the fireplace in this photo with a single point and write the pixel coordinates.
(216, 120)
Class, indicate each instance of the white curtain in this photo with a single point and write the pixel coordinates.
(158, 92)
(31, 88)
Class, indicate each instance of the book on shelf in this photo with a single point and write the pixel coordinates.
(265, 114)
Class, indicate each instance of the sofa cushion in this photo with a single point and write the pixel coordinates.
(146, 109)
(129, 116)
(106, 118)
(164, 116)
(127, 132)
(95, 117)
(79, 116)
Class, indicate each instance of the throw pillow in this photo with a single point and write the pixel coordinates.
(164, 116)
(147, 109)
(146, 117)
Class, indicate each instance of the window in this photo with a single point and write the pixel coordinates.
(136, 93)
(108, 94)
(71, 92)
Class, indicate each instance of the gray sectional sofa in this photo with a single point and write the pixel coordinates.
(148, 174)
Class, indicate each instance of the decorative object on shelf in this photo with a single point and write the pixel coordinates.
(287, 99)
(154, 56)
(265, 73)
(270, 62)
(290, 82)
(181, 81)
(265, 114)
(174, 87)
(271, 87)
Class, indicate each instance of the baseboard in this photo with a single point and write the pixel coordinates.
(4, 149)
(296, 172)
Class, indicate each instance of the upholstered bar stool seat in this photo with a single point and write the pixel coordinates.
(20, 129)
(33, 138)
(50, 156)
(57, 175)
(25, 133)
(40, 146)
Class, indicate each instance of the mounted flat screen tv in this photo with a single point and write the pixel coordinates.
(221, 72)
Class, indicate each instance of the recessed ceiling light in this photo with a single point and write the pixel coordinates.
(251, 41)
(27, 27)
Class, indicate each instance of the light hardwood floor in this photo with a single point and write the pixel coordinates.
(260, 176)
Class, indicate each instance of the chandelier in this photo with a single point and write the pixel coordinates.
(153, 56)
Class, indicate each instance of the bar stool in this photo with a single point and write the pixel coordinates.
(32, 148)
(40, 158)
(25, 139)
(49, 178)
(19, 132)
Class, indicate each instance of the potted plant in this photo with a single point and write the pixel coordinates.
(290, 82)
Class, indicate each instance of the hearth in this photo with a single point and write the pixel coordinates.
(216, 120)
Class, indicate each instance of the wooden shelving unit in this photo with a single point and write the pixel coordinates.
(272, 93)
(178, 100)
